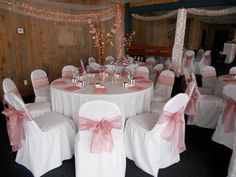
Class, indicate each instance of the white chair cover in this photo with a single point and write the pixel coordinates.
(48, 140)
(164, 86)
(232, 71)
(41, 85)
(167, 64)
(208, 109)
(150, 61)
(207, 58)
(35, 109)
(68, 71)
(199, 55)
(131, 68)
(146, 139)
(110, 69)
(156, 72)
(232, 163)
(226, 126)
(90, 161)
(109, 59)
(95, 67)
(141, 71)
(188, 59)
(91, 60)
(209, 80)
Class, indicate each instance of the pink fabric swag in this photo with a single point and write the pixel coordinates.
(40, 82)
(174, 129)
(190, 108)
(14, 127)
(165, 80)
(229, 114)
(102, 137)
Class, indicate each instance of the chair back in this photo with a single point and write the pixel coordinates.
(131, 68)
(40, 84)
(150, 61)
(232, 71)
(209, 77)
(100, 140)
(167, 64)
(188, 58)
(164, 84)
(68, 71)
(190, 108)
(199, 55)
(91, 60)
(141, 71)
(110, 69)
(207, 58)
(10, 87)
(229, 115)
(156, 72)
(95, 67)
(30, 128)
(109, 59)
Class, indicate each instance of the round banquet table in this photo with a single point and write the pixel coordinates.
(131, 102)
(222, 81)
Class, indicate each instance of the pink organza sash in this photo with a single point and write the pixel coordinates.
(40, 82)
(102, 137)
(14, 127)
(165, 80)
(229, 114)
(173, 129)
(209, 73)
(141, 74)
(67, 74)
(190, 108)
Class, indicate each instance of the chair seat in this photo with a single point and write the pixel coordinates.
(51, 120)
(146, 120)
(38, 108)
(156, 107)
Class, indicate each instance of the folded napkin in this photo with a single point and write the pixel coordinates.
(72, 88)
(58, 83)
(144, 81)
(100, 90)
(136, 88)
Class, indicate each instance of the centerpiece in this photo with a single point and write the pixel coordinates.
(100, 38)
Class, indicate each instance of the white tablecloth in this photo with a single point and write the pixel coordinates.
(130, 102)
(229, 51)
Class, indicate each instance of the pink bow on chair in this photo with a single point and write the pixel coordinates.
(229, 114)
(190, 108)
(101, 138)
(40, 82)
(174, 129)
(14, 128)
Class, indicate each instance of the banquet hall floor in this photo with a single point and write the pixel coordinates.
(203, 158)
